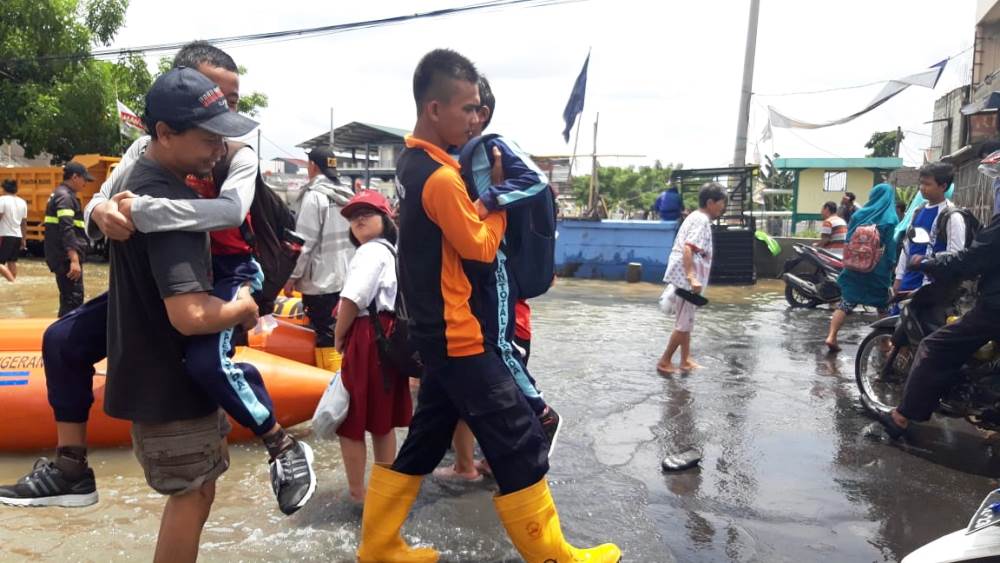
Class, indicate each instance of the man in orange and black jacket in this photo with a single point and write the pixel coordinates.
(448, 279)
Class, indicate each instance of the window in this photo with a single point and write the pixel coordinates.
(835, 181)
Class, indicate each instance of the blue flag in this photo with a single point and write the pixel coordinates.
(575, 104)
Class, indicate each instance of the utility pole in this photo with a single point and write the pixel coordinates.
(331, 129)
(899, 139)
(594, 184)
(740, 154)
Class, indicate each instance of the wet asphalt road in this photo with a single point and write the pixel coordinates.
(788, 472)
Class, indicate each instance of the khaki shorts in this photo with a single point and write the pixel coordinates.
(181, 456)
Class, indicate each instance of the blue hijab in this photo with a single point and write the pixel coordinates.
(879, 211)
(872, 288)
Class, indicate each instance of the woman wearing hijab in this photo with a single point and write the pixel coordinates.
(868, 288)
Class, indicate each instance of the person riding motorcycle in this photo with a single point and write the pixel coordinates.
(942, 354)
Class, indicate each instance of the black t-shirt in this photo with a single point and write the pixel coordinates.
(146, 378)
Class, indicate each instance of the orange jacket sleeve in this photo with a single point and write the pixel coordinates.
(447, 204)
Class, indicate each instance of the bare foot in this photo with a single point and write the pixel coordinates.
(355, 498)
(449, 473)
(832, 347)
(665, 368)
(690, 365)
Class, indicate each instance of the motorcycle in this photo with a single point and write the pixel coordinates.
(979, 541)
(816, 287)
(886, 355)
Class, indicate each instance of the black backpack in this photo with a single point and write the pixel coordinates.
(272, 236)
(530, 239)
(972, 224)
(395, 348)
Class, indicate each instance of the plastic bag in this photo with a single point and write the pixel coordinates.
(668, 300)
(332, 409)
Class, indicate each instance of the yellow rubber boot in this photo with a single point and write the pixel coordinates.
(533, 526)
(387, 503)
(328, 359)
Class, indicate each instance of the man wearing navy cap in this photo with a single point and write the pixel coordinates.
(159, 294)
(65, 241)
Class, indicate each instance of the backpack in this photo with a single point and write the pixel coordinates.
(972, 224)
(276, 246)
(395, 348)
(864, 250)
(530, 238)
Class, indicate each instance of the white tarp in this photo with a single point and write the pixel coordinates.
(926, 79)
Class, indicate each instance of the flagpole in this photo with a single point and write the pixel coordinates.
(576, 142)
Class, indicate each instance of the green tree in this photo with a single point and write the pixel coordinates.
(632, 188)
(53, 97)
(883, 143)
(774, 178)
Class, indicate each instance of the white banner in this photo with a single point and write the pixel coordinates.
(926, 79)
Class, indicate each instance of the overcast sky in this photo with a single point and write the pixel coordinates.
(665, 76)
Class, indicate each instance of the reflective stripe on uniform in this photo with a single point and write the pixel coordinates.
(65, 213)
(51, 219)
(78, 223)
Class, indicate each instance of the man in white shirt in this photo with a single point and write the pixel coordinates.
(946, 236)
(13, 213)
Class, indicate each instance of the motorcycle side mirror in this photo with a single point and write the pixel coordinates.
(920, 236)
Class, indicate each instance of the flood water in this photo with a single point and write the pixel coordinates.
(788, 472)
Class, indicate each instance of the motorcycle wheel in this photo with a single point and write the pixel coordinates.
(878, 393)
(797, 299)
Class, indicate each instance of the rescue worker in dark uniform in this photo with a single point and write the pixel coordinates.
(65, 239)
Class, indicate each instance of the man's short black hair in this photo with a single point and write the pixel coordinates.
(487, 99)
(202, 52)
(151, 126)
(10, 186)
(831, 207)
(710, 191)
(851, 196)
(430, 80)
(942, 172)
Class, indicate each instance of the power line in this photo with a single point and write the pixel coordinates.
(279, 147)
(292, 34)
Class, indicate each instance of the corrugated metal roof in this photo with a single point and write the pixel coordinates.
(355, 135)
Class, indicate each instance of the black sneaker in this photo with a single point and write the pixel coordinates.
(47, 485)
(551, 423)
(292, 477)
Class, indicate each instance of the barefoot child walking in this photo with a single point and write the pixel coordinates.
(687, 268)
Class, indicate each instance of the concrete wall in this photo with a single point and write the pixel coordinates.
(769, 266)
(603, 249)
(811, 196)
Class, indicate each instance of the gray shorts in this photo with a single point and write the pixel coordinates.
(180, 456)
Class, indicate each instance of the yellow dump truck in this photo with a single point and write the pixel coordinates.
(35, 185)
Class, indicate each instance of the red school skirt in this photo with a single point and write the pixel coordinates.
(372, 408)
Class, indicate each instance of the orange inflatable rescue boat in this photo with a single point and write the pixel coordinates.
(295, 387)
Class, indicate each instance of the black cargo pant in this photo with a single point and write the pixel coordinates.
(319, 309)
(70, 292)
(480, 391)
(940, 357)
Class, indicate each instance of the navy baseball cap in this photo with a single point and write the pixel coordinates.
(184, 96)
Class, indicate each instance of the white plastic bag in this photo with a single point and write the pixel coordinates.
(332, 409)
(668, 300)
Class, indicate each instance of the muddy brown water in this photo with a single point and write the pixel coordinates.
(788, 472)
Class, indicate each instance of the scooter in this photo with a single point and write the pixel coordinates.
(886, 355)
(817, 287)
(979, 541)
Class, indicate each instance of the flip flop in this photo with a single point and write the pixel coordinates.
(696, 299)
